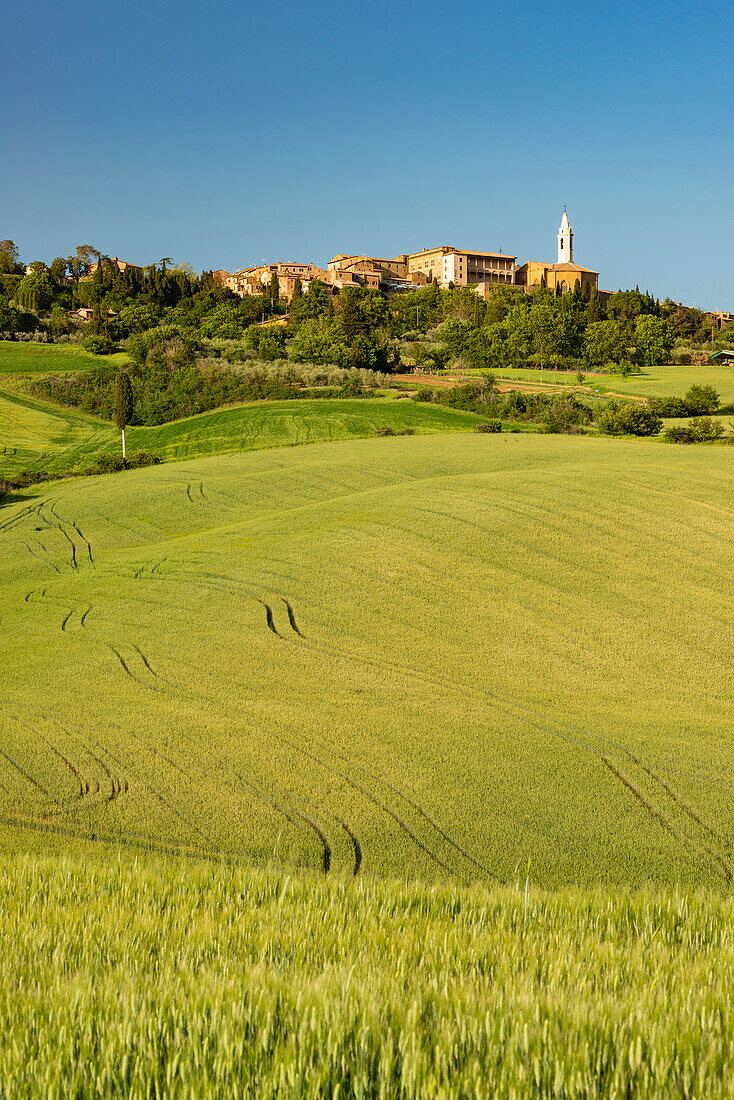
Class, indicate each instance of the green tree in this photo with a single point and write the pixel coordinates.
(8, 257)
(297, 293)
(654, 338)
(58, 269)
(123, 404)
(35, 291)
(318, 340)
(274, 291)
(605, 342)
(80, 262)
(351, 316)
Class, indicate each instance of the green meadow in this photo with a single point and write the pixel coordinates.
(28, 357)
(36, 435)
(660, 381)
(439, 656)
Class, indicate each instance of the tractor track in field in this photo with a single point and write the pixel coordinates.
(130, 840)
(714, 860)
(291, 815)
(126, 668)
(116, 783)
(30, 779)
(403, 825)
(232, 586)
(693, 814)
(81, 779)
(24, 513)
(720, 860)
(47, 560)
(197, 487)
(326, 859)
(355, 844)
(571, 734)
(85, 799)
(156, 794)
(291, 617)
(64, 523)
(269, 618)
(702, 852)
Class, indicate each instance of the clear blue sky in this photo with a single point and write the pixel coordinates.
(225, 133)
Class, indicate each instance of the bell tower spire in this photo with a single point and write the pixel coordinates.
(565, 240)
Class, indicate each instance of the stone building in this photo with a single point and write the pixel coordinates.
(121, 265)
(372, 272)
(447, 264)
(256, 280)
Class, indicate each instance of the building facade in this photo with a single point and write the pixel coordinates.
(372, 272)
(446, 264)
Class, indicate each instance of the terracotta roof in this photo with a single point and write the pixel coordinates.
(572, 267)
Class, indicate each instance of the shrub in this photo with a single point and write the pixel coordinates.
(700, 429)
(98, 345)
(112, 463)
(668, 406)
(678, 434)
(627, 419)
(425, 394)
(109, 464)
(489, 426)
(142, 458)
(702, 400)
(385, 431)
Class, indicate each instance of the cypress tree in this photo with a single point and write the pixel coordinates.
(123, 404)
(297, 292)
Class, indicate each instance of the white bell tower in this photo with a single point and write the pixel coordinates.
(565, 240)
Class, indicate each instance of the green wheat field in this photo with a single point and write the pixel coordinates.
(377, 767)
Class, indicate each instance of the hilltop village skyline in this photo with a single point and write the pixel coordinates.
(447, 265)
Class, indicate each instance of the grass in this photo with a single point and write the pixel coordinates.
(662, 381)
(36, 435)
(137, 980)
(27, 357)
(433, 656)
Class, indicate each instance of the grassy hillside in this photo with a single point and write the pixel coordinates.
(663, 381)
(437, 656)
(141, 980)
(35, 435)
(21, 357)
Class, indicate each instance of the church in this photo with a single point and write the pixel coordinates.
(563, 275)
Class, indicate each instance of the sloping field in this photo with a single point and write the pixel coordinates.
(21, 357)
(660, 381)
(436, 656)
(36, 435)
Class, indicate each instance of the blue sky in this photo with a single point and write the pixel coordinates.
(228, 133)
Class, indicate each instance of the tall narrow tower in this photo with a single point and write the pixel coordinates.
(565, 240)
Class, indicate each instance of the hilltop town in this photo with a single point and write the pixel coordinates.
(443, 264)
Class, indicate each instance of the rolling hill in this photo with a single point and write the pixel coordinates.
(438, 656)
(36, 435)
